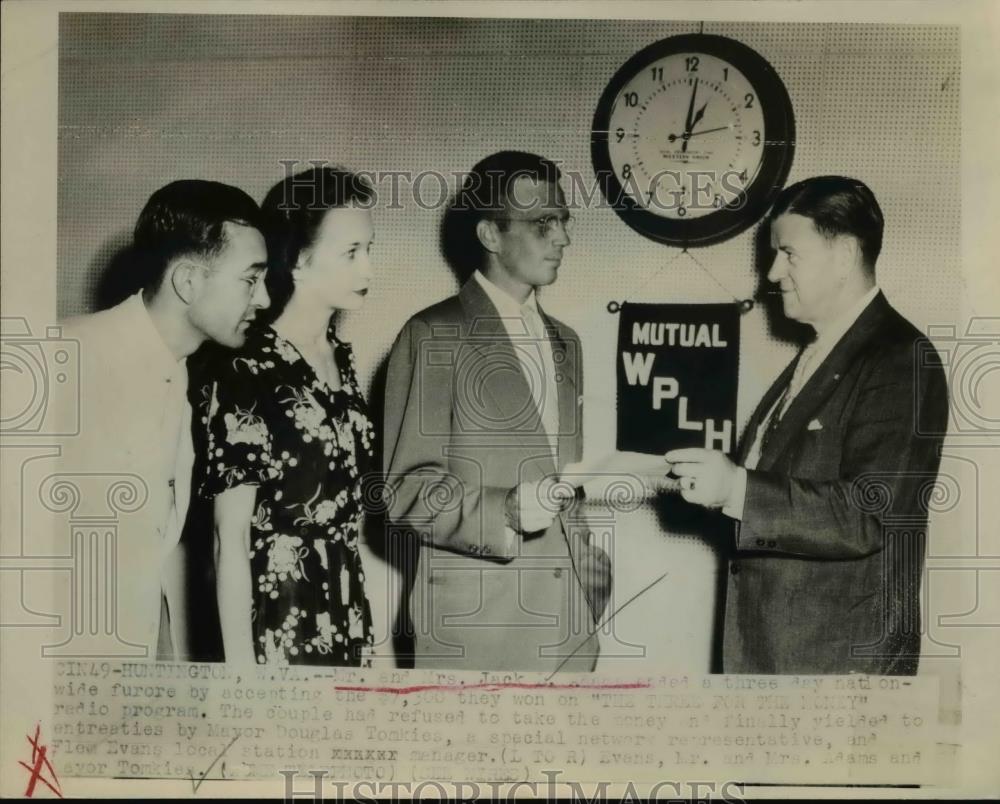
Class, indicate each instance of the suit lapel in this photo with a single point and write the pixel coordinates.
(484, 321)
(570, 441)
(509, 399)
(765, 404)
(564, 358)
(823, 381)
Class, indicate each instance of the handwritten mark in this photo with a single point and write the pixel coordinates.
(196, 783)
(491, 687)
(608, 619)
(39, 761)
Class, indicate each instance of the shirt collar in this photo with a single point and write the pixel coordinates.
(146, 339)
(506, 304)
(839, 326)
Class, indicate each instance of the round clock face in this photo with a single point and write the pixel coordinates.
(692, 139)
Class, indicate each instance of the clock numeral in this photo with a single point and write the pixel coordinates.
(620, 133)
(657, 73)
(748, 101)
(626, 170)
(725, 73)
(717, 202)
(631, 98)
(743, 175)
(681, 211)
(691, 64)
(756, 137)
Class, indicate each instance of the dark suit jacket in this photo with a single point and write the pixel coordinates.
(830, 550)
(461, 429)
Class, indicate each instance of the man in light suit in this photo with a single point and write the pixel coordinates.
(830, 486)
(482, 410)
(199, 258)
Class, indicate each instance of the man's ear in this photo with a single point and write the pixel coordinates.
(848, 251)
(184, 276)
(489, 235)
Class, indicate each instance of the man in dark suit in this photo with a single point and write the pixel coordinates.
(482, 410)
(829, 490)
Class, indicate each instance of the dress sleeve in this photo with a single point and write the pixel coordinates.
(239, 441)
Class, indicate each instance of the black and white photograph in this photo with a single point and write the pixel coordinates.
(403, 396)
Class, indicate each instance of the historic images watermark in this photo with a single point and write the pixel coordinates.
(671, 192)
(314, 785)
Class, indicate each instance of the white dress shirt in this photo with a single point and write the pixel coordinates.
(526, 331)
(524, 326)
(811, 359)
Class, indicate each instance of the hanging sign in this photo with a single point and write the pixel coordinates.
(677, 376)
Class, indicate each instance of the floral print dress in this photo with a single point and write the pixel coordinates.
(270, 422)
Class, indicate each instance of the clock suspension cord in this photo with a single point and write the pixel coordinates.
(746, 305)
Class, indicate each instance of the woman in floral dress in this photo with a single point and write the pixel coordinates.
(288, 439)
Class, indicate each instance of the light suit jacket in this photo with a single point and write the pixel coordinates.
(461, 429)
(830, 550)
(133, 418)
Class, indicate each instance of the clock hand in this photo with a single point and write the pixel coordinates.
(688, 135)
(697, 118)
(708, 131)
(690, 112)
(693, 122)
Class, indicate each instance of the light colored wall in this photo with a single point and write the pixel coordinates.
(145, 99)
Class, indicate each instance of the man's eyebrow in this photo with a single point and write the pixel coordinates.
(257, 266)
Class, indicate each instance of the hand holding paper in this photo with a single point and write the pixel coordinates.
(706, 475)
(531, 506)
(646, 473)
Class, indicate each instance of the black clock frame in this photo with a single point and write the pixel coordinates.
(779, 145)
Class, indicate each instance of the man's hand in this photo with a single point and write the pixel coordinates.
(706, 475)
(531, 507)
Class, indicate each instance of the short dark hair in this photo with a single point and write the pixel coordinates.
(837, 205)
(486, 194)
(292, 212)
(187, 218)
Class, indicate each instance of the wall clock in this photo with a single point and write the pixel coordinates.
(692, 139)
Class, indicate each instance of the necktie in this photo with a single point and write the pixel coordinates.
(790, 392)
(546, 397)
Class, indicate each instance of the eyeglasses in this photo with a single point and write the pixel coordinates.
(253, 282)
(546, 225)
